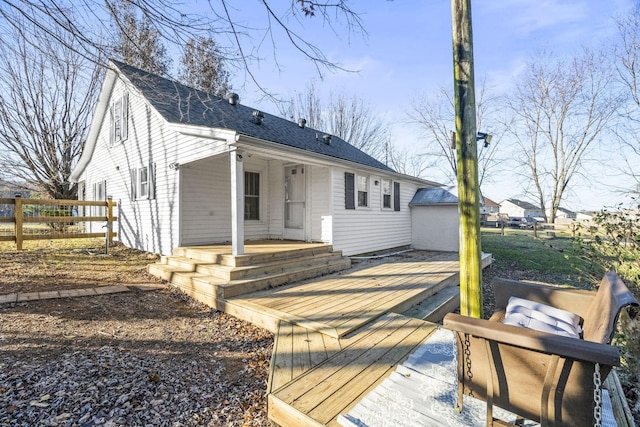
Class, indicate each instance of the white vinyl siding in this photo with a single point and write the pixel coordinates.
(206, 201)
(320, 204)
(365, 230)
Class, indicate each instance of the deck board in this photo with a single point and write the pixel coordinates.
(341, 303)
(296, 350)
(336, 384)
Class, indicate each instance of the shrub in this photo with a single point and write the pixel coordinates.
(612, 242)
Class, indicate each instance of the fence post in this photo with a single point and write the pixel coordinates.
(17, 213)
(109, 232)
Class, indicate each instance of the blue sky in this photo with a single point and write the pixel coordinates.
(406, 53)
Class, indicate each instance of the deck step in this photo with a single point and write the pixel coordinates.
(194, 270)
(222, 257)
(251, 271)
(252, 284)
(434, 308)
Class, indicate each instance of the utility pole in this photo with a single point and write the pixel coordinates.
(467, 160)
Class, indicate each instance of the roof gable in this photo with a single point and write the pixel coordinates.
(178, 103)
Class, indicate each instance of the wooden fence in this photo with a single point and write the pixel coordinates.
(40, 219)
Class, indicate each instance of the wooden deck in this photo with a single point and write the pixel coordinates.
(341, 303)
(337, 383)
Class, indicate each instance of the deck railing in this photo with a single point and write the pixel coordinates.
(40, 219)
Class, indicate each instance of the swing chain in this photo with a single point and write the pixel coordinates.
(597, 396)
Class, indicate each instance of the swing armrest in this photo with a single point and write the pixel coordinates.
(530, 339)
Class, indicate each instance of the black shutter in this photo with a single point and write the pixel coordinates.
(396, 196)
(349, 186)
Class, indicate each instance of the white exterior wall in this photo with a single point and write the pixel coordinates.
(362, 230)
(276, 200)
(206, 201)
(436, 228)
(150, 225)
(320, 204)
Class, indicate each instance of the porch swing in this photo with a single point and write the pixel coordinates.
(549, 377)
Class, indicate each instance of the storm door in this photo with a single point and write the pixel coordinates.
(295, 190)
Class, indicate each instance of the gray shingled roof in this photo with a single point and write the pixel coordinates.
(522, 204)
(178, 103)
(433, 196)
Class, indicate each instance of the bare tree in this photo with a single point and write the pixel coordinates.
(627, 66)
(47, 96)
(136, 41)
(406, 161)
(203, 67)
(347, 117)
(435, 114)
(88, 34)
(560, 106)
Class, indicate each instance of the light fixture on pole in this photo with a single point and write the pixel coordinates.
(481, 136)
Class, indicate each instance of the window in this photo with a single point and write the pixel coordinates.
(143, 182)
(363, 191)
(251, 196)
(119, 114)
(386, 193)
(100, 194)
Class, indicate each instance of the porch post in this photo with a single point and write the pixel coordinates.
(237, 202)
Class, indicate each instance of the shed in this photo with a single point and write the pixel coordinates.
(435, 219)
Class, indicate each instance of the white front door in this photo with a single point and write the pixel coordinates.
(295, 190)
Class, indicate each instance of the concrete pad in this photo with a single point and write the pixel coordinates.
(48, 295)
(147, 286)
(8, 298)
(103, 290)
(69, 293)
(28, 296)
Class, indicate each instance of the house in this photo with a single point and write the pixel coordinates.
(190, 168)
(563, 214)
(519, 209)
(489, 207)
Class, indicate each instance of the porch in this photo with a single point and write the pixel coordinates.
(339, 335)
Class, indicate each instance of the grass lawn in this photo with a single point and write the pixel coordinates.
(547, 259)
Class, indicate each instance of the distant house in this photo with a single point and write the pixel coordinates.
(489, 207)
(519, 208)
(585, 216)
(563, 214)
(190, 168)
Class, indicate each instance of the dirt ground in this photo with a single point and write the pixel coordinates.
(205, 368)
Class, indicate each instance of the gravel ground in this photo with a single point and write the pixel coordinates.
(133, 359)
